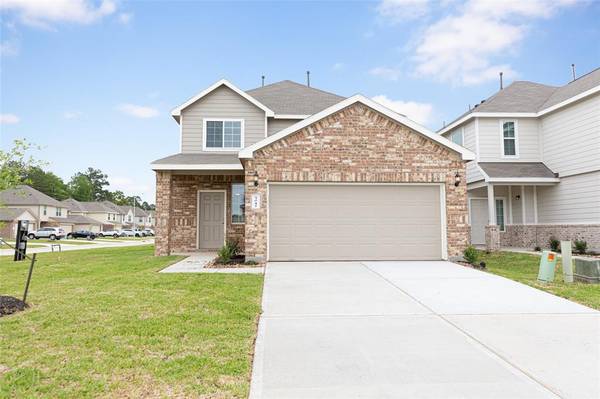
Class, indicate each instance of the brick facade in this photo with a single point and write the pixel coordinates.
(177, 209)
(532, 235)
(356, 144)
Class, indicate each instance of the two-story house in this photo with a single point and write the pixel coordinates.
(537, 172)
(134, 217)
(292, 172)
(46, 211)
(102, 216)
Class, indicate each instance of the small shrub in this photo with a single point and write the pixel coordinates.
(250, 263)
(580, 246)
(537, 248)
(554, 244)
(228, 251)
(470, 254)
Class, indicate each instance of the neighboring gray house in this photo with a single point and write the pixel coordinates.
(291, 172)
(134, 218)
(101, 216)
(537, 172)
(46, 210)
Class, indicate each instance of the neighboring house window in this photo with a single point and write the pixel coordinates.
(500, 213)
(509, 139)
(458, 136)
(58, 211)
(223, 134)
(45, 210)
(237, 203)
(140, 220)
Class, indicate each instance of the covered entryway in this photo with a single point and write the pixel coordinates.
(337, 221)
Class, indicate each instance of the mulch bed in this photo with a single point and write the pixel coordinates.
(236, 262)
(10, 305)
(467, 264)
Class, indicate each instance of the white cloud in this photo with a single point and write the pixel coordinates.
(72, 114)
(138, 111)
(418, 112)
(9, 119)
(402, 10)
(125, 17)
(388, 73)
(9, 47)
(41, 13)
(131, 186)
(462, 48)
(338, 66)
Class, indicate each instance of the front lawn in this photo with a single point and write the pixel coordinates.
(104, 323)
(524, 268)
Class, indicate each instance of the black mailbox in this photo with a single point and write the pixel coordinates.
(21, 240)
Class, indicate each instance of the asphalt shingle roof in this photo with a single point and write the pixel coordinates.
(25, 195)
(524, 96)
(516, 169)
(287, 97)
(10, 214)
(194, 159)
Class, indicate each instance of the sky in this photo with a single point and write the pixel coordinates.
(93, 82)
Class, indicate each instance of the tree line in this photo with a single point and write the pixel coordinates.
(88, 185)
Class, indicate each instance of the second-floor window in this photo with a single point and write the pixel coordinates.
(45, 210)
(226, 134)
(509, 139)
(457, 136)
(58, 211)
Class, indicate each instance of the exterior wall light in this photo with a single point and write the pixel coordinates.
(255, 179)
(456, 179)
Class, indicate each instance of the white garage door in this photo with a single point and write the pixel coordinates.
(354, 222)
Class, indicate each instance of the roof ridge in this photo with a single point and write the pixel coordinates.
(582, 76)
(297, 84)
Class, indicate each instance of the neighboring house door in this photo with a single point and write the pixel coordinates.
(478, 218)
(211, 217)
(355, 222)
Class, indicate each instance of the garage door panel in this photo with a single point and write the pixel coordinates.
(353, 222)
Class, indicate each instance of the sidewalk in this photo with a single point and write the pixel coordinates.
(65, 246)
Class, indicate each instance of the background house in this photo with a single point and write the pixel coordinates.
(105, 215)
(9, 219)
(537, 172)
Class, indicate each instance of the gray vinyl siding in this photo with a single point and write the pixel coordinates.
(275, 125)
(576, 199)
(469, 142)
(221, 103)
(491, 146)
(571, 140)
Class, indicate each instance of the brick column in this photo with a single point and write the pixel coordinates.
(163, 213)
(256, 219)
(492, 238)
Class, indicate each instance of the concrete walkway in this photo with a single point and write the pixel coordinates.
(196, 263)
(64, 244)
(418, 330)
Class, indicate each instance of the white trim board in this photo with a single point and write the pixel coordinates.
(176, 112)
(466, 154)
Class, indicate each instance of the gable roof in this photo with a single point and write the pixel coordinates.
(248, 152)
(530, 99)
(176, 112)
(26, 195)
(139, 212)
(10, 214)
(291, 98)
(91, 206)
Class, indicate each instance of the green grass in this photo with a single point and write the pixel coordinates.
(524, 268)
(104, 323)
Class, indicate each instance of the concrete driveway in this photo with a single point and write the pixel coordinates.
(418, 330)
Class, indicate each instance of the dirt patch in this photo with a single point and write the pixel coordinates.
(10, 305)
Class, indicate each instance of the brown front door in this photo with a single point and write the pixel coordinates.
(211, 216)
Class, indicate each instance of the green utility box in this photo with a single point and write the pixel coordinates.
(547, 266)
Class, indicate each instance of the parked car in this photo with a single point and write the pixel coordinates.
(82, 234)
(53, 233)
(110, 233)
(140, 233)
(149, 232)
(127, 233)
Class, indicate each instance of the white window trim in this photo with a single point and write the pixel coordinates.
(516, 124)
(244, 203)
(224, 149)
